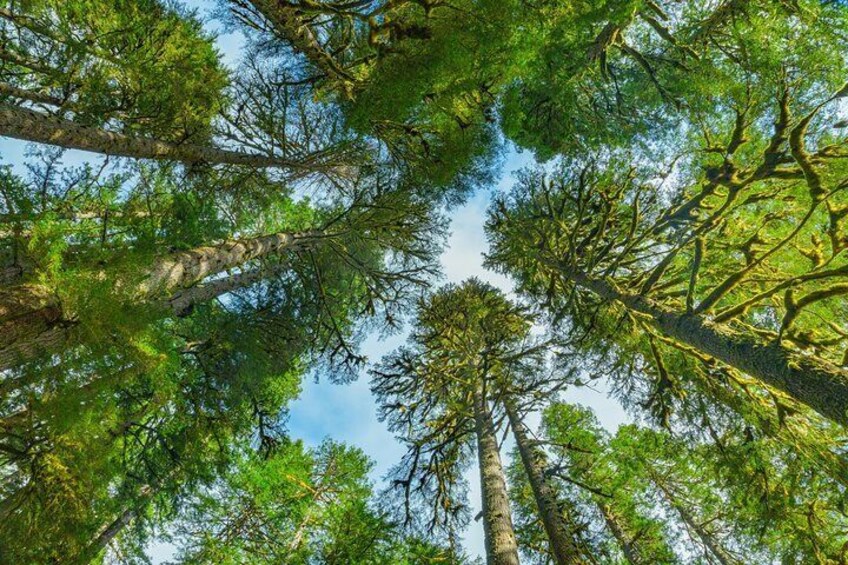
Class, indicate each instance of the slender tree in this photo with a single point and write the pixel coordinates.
(437, 395)
(564, 547)
(583, 468)
(295, 505)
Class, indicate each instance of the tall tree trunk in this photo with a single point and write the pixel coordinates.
(563, 548)
(108, 533)
(713, 546)
(104, 538)
(820, 385)
(11, 503)
(501, 546)
(11, 275)
(183, 301)
(22, 61)
(32, 320)
(29, 125)
(625, 541)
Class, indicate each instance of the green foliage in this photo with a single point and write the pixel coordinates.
(295, 506)
(700, 168)
(733, 236)
(147, 65)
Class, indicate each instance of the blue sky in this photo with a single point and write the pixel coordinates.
(348, 412)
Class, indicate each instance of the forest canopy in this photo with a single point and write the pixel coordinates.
(190, 231)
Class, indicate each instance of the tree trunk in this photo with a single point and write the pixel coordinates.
(11, 275)
(820, 385)
(29, 125)
(13, 91)
(713, 546)
(631, 553)
(563, 548)
(32, 320)
(23, 61)
(501, 546)
(104, 538)
(107, 534)
(9, 504)
(182, 303)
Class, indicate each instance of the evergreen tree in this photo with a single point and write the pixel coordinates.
(692, 273)
(437, 395)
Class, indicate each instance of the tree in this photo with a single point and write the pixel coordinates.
(30, 125)
(660, 495)
(159, 310)
(566, 545)
(564, 79)
(172, 383)
(692, 272)
(587, 471)
(436, 396)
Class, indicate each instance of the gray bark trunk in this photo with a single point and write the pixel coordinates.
(104, 538)
(181, 303)
(501, 546)
(29, 125)
(22, 61)
(11, 275)
(32, 321)
(712, 545)
(563, 548)
(820, 385)
(13, 91)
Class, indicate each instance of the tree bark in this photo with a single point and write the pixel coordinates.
(501, 545)
(29, 125)
(183, 301)
(104, 537)
(13, 91)
(563, 548)
(11, 275)
(32, 320)
(107, 534)
(631, 553)
(816, 383)
(713, 546)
